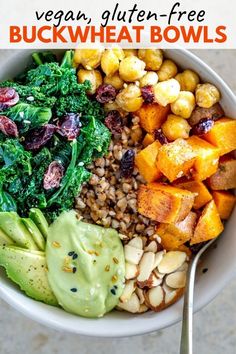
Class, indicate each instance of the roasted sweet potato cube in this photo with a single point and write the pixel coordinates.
(207, 158)
(225, 176)
(145, 161)
(175, 235)
(202, 194)
(148, 139)
(152, 116)
(223, 135)
(208, 226)
(175, 159)
(224, 202)
(164, 203)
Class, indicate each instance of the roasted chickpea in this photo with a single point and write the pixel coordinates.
(166, 92)
(184, 105)
(94, 76)
(109, 62)
(176, 127)
(113, 106)
(188, 80)
(114, 80)
(131, 69)
(130, 98)
(152, 57)
(207, 95)
(119, 53)
(89, 58)
(130, 52)
(168, 70)
(150, 78)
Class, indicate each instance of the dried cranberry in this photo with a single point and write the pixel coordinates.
(69, 126)
(158, 135)
(196, 248)
(37, 138)
(8, 96)
(203, 127)
(53, 175)
(105, 93)
(147, 94)
(114, 122)
(8, 127)
(127, 164)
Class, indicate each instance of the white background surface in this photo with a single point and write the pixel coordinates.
(215, 326)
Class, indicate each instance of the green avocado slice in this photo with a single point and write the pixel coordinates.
(12, 226)
(35, 233)
(40, 221)
(28, 270)
(4, 239)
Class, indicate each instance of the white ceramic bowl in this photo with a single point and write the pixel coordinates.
(221, 261)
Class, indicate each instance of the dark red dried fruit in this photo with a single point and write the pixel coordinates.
(70, 126)
(8, 97)
(53, 175)
(105, 93)
(127, 164)
(114, 122)
(147, 94)
(8, 127)
(39, 137)
(158, 135)
(196, 248)
(203, 127)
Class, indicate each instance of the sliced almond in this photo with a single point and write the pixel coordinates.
(158, 258)
(171, 261)
(131, 271)
(155, 298)
(172, 295)
(176, 280)
(129, 289)
(146, 266)
(158, 274)
(140, 294)
(132, 305)
(136, 242)
(151, 282)
(132, 254)
(184, 267)
(152, 247)
(143, 308)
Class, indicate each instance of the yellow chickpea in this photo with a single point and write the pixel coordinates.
(113, 106)
(119, 53)
(152, 57)
(131, 69)
(130, 52)
(89, 58)
(166, 92)
(188, 80)
(114, 80)
(176, 127)
(207, 95)
(130, 99)
(109, 62)
(94, 76)
(184, 105)
(150, 78)
(168, 70)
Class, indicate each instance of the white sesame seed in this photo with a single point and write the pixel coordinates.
(21, 114)
(92, 291)
(81, 163)
(27, 121)
(30, 98)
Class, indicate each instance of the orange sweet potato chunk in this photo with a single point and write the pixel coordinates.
(175, 235)
(175, 159)
(164, 203)
(152, 116)
(148, 139)
(145, 161)
(207, 158)
(209, 225)
(225, 203)
(223, 135)
(202, 194)
(225, 176)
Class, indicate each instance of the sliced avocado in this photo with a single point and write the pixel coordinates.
(28, 270)
(40, 221)
(12, 226)
(35, 233)
(4, 239)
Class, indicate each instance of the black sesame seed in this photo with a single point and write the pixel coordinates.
(74, 269)
(205, 270)
(71, 253)
(75, 255)
(116, 287)
(113, 291)
(74, 290)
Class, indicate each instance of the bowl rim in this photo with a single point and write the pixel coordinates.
(8, 295)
